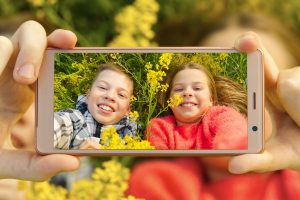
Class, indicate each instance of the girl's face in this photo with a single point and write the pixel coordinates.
(192, 85)
(109, 97)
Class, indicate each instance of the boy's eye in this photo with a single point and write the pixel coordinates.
(102, 87)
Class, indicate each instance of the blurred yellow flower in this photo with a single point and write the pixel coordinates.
(42, 190)
(134, 22)
(107, 182)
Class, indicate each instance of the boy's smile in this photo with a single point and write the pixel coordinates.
(105, 108)
(109, 97)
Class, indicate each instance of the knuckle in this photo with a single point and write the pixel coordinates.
(30, 47)
(288, 83)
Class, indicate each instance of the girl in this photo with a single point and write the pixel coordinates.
(208, 177)
(106, 104)
(198, 122)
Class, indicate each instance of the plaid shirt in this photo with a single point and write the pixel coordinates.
(73, 126)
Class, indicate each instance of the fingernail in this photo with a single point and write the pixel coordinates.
(244, 42)
(247, 37)
(26, 71)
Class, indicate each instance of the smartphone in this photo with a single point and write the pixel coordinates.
(68, 74)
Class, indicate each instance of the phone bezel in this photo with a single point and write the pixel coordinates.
(45, 102)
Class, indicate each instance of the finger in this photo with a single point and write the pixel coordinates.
(29, 166)
(6, 49)
(288, 89)
(279, 155)
(89, 145)
(269, 125)
(84, 145)
(30, 41)
(251, 162)
(250, 42)
(62, 39)
(95, 145)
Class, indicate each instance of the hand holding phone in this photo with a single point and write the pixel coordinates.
(15, 85)
(282, 124)
(106, 106)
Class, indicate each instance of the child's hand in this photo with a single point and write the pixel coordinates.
(89, 144)
(282, 116)
(20, 60)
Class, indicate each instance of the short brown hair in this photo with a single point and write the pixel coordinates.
(116, 68)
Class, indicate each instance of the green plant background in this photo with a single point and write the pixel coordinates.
(93, 20)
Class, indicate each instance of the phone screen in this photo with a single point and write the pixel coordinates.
(143, 102)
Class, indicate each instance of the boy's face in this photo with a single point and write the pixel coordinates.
(192, 86)
(109, 97)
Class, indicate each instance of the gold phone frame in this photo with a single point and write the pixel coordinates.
(45, 102)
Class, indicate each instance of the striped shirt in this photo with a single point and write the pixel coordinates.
(73, 126)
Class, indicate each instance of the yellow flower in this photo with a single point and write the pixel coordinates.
(42, 191)
(107, 135)
(134, 115)
(164, 87)
(134, 22)
(132, 98)
(114, 56)
(223, 56)
(85, 190)
(110, 139)
(165, 60)
(107, 182)
(175, 101)
(148, 66)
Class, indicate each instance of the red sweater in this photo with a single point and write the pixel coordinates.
(221, 128)
(183, 179)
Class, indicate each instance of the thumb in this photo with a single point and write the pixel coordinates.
(250, 42)
(30, 166)
(275, 158)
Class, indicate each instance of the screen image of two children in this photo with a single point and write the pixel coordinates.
(161, 101)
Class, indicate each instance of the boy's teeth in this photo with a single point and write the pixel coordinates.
(104, 107)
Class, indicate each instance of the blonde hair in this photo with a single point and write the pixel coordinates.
(223, 90)
(231, 94)
(190, 65)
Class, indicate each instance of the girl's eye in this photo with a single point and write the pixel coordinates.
(122, 95)
(178, 89)
(197, 88)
